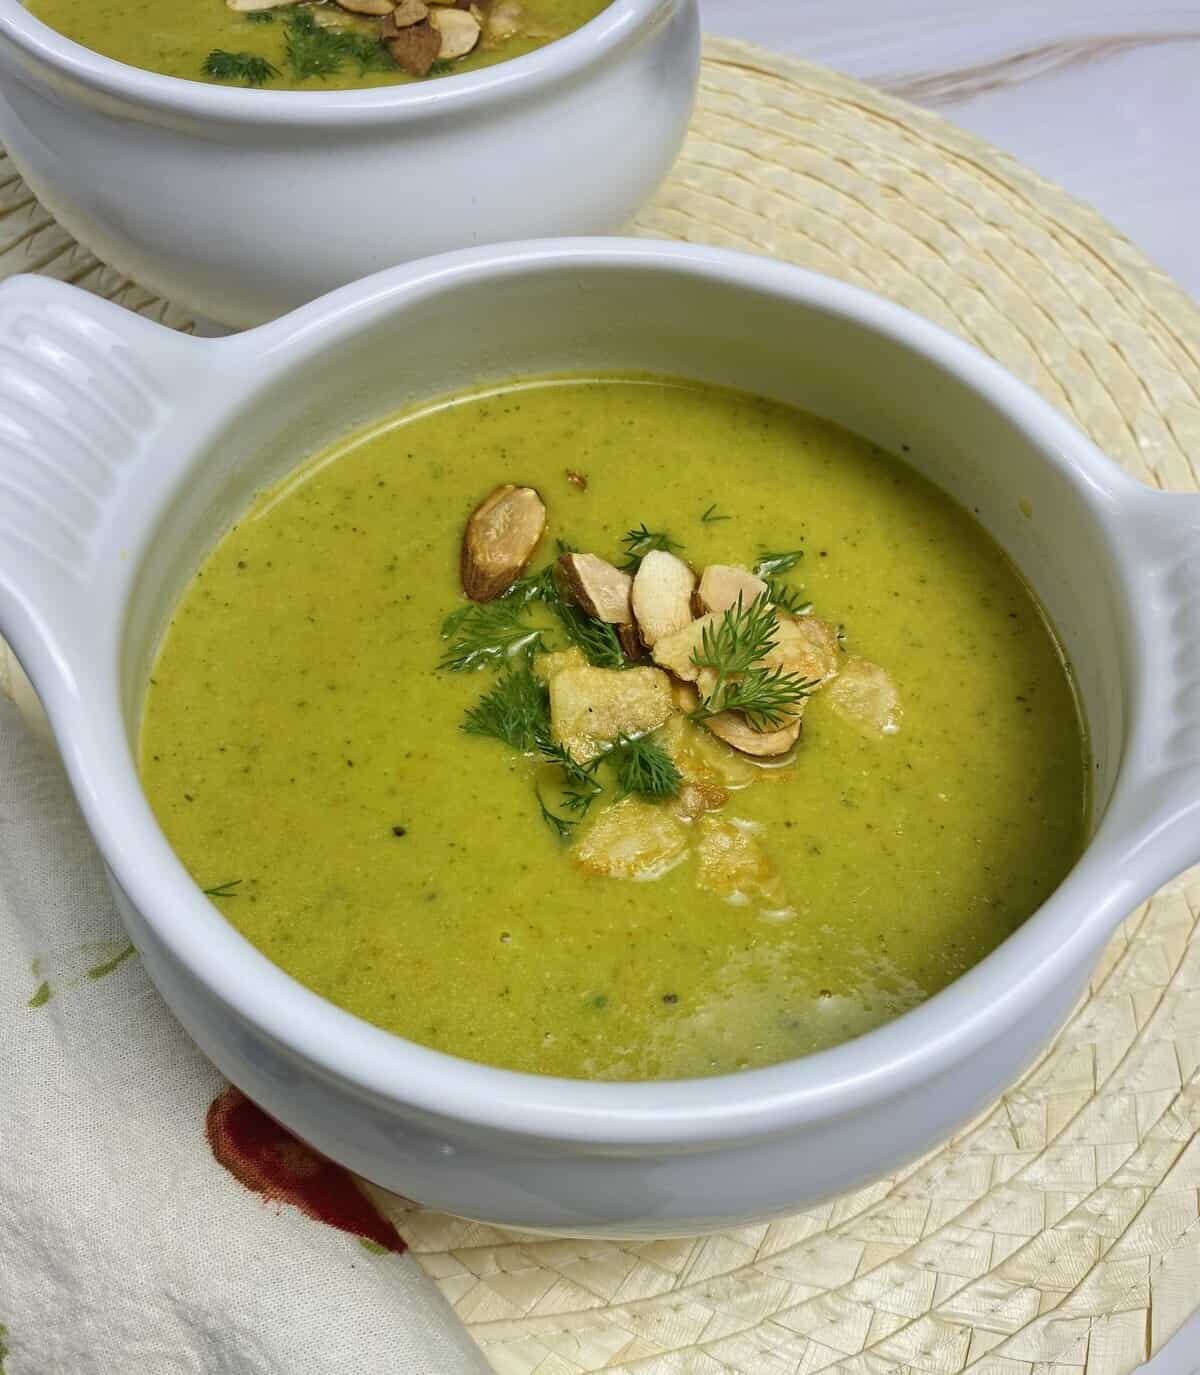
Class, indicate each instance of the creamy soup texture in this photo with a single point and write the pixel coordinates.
(317, 46)
(304, 751)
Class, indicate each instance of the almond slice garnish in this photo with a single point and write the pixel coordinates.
(459, 29)
(630, 642)
(372, 7)
(597, 587)
(415, 47)
(406, 13)
(735, 730)
(662, 596)
(721, 584)
(674, 652)
(503, 530)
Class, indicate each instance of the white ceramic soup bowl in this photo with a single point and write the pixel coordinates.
(241, 204)
(125, 452)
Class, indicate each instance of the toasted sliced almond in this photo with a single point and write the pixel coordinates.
(504, 22)
(631, 642)
(415, 48)
(595, 585)
(545, 666)
(376, 7)
(805, 645)
(662, 596)
(734, 865)
(577, 479)
(406, 13)
(632, 839)
(865, 695)
(591, 706)
(504, 529)
(674, 652)
(459, 29)
(733, 728)
(721, 584)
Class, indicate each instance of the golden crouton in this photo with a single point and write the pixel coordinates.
(865, 695)
(632, 839)
(733, 865)
(591, 706)
(696, 799)
(545, 666)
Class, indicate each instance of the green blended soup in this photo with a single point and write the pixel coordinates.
(303, 740)
(313, 46)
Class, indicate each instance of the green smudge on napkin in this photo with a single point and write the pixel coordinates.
(98, 971)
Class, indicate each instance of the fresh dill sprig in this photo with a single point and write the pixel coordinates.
(712, 515)
(260, 17)
(771, 563)
(442, 66)
(762, 695)
(731, 648)
(516, 711)
(640, 542)
(313, 50)
(562, 826)
(246, 67)
(485, 633)
(742, 636)
(371, 55)
(534, 587)
(224, 890)
(790, 599)
(581, 786)
(644, 768)
(597, 639)
(787, 598)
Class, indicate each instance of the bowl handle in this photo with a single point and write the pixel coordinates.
(88, 391)
(1159, 790)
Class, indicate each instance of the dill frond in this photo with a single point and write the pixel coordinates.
(516, 712)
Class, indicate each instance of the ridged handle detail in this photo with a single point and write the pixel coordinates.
(1180, 583)
(76, 410)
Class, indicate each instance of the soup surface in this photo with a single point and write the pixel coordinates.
(313, 46)
(305, 753)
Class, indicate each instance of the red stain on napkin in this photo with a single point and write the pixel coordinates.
(270, 1161)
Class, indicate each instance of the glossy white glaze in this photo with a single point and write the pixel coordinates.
(84, 592)
(240, 204)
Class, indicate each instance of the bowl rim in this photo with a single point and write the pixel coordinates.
(1054, 942)
(514, 79)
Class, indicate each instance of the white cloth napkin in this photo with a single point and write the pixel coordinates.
(126, 1248)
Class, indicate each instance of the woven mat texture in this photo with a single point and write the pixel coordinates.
(1060, 1233)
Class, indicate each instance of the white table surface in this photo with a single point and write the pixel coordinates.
(1101, 96)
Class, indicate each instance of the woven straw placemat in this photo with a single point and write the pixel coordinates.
(1060, 1233)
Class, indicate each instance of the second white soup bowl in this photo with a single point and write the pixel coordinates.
(241, 204)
